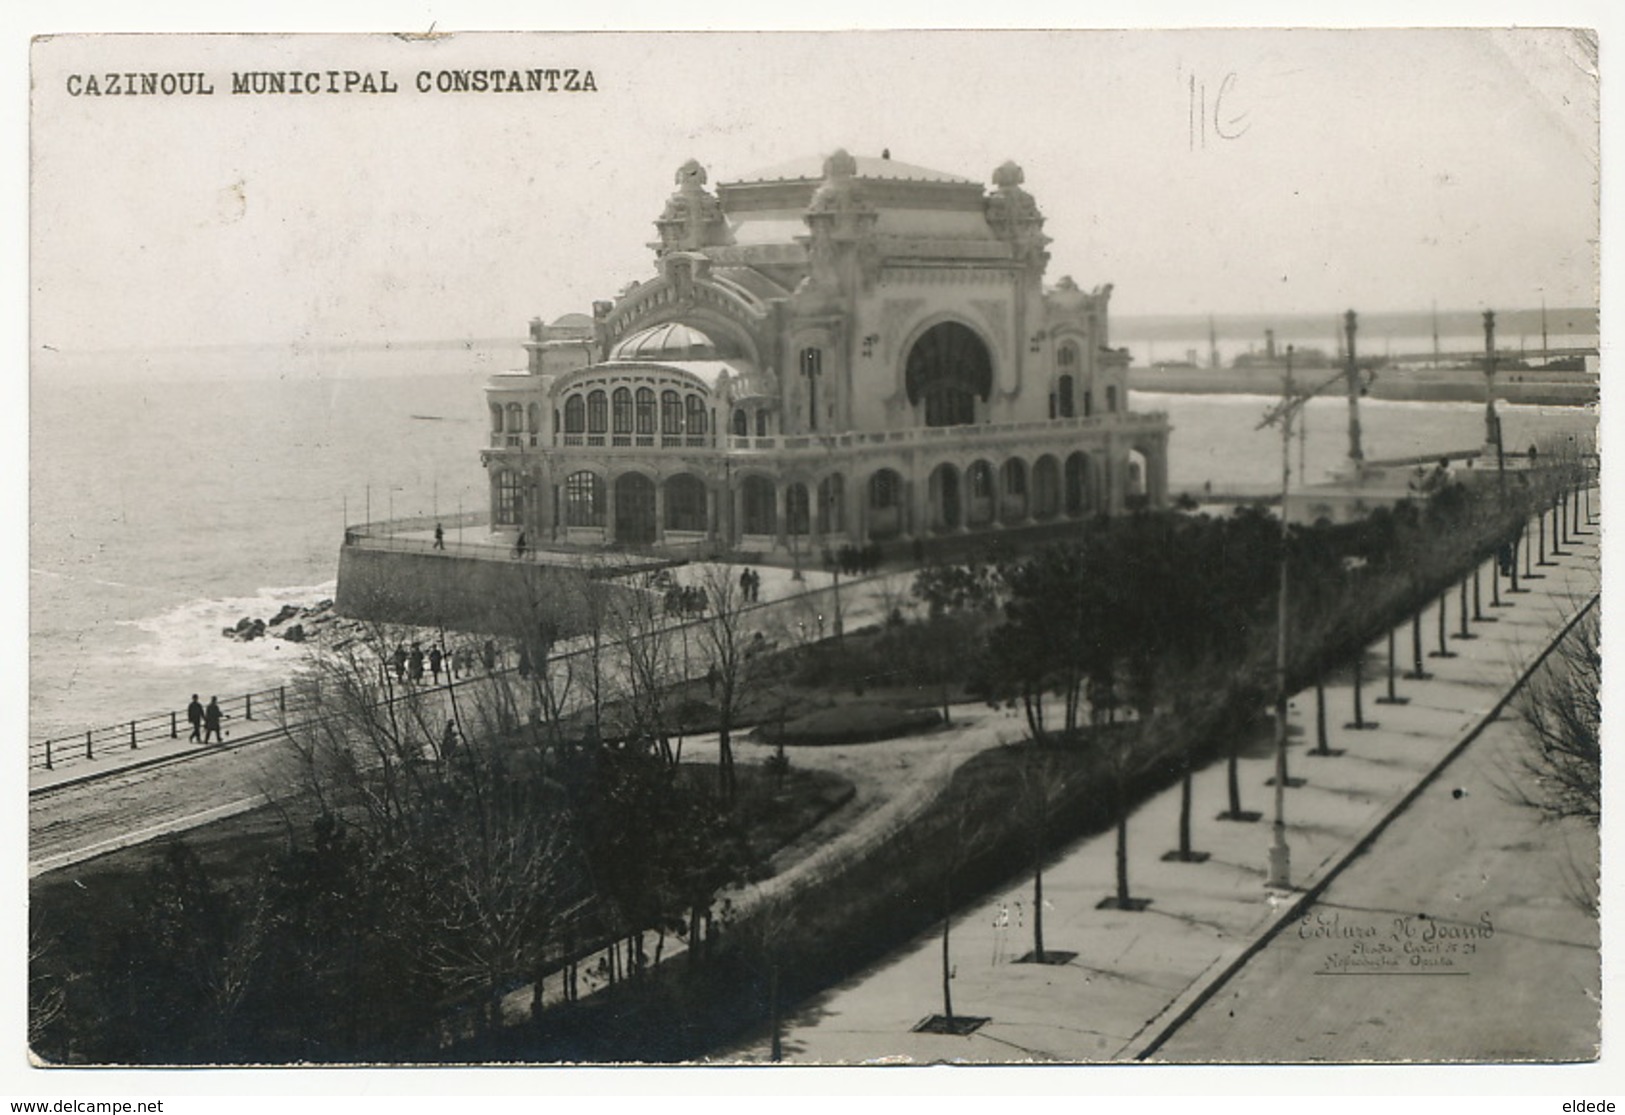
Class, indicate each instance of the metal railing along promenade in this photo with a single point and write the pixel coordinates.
(268, 706)
(283, 706)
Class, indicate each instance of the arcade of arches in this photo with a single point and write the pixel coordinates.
(636, 508)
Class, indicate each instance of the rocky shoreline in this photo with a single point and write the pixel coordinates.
(315, 623)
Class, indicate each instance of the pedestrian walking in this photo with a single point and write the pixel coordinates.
(744, 585)
(194, 717)
(400, 662)
(416, 662)
(519, 547)
(435, 658)
(490, 656)
(212, 716)
(448, 740)
(439, 537)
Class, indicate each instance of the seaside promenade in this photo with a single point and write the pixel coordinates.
(1409, 861)
(1163, 983)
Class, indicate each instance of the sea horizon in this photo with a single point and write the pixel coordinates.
(231, 501)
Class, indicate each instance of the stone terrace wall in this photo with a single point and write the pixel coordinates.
(508, 598)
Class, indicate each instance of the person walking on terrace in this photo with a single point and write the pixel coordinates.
(211, 721)
(194, 717)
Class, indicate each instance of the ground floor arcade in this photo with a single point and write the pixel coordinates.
(792, 501)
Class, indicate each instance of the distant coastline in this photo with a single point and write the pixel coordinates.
(1532, 386)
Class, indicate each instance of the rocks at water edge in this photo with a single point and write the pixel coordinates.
(312, 621)
(286, 612)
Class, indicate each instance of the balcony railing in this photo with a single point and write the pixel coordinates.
(823, 443)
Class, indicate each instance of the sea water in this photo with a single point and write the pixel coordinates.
(169, 500)
(173, 494)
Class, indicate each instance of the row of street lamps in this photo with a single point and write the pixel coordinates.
(1279, 875)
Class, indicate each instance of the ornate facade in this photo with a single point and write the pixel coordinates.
(856, 352)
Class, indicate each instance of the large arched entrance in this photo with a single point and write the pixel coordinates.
(948, 369)
(634, 509)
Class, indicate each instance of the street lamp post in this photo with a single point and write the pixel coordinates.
(1280, 856)
(1356, 453)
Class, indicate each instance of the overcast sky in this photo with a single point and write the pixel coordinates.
(1208, 171)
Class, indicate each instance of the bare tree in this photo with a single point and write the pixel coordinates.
(734, 641)
(1562, 714)
(649, 666)
(1041, 785)
(463, 853)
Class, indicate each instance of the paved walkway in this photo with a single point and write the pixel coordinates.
(1461, 936)
(798, 607)
(1135, 976)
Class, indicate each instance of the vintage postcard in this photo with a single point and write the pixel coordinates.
(814, 548)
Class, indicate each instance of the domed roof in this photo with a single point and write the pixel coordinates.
(812, 168)
(671, 340)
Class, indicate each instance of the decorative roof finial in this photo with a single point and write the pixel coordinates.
(1009, 175)
(691, 175)
(840, 165)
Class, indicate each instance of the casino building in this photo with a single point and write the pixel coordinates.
(829, 352)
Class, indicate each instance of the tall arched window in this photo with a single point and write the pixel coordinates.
(575, 415)
(621, 410)
(831, 504)
(516, 423)
(597, 413)
(496, 418)
(508, 502)
(1064, 392)
(758, 498)
(797, 517)
(535, 421)
(671, 413)
(885, 489)
(980, 477)
(583, 500)
(696, 420)
(1067, 357)
(646, 412)
(741, 424)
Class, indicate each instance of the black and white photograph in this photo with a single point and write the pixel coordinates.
(789, 547)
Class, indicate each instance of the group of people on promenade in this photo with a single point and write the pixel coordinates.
(205, 720)
(458, 662)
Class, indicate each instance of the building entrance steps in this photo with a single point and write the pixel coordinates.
(1137, 975)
